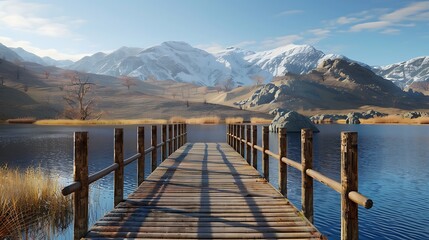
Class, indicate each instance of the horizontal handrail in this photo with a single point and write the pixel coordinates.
(292, 163)
(324, 180)
(160, 144)
(132, 159)
(71, 188)
(360, 199)
(276, 156)
(258, 148)
(102, 173)
(149, 150)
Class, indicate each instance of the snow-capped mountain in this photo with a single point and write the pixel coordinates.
(405, 73)
(57, 63)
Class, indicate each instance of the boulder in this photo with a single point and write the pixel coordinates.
(264, 95)
(292, 121)
(352, 120)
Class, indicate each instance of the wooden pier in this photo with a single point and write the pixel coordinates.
(210, 191)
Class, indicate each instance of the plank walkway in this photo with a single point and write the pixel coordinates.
(204, 191)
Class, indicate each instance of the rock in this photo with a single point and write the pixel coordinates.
(265, 94)
(372, 114)
(278, 110)
(414, 114)
(320, 118)
(352, 120)
(292, 121)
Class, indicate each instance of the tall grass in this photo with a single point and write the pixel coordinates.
(177, 119)
(27, 120)
(231, 120)
(100, 122)
(203, 120)
(31, 204)
(395, 119)
(260, 120)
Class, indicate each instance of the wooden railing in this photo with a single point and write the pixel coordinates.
(82, 180)
(348, 187)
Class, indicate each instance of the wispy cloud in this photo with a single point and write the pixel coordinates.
(289, 12)
(32, 17)
(280, 41)
(50, 52)
(403, 17)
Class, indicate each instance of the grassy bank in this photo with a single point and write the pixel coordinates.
(31, 203)
(175, 119)
(391, 119)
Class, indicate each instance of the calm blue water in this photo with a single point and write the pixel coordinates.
(393, 170)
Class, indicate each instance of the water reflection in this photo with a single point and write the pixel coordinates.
(393, 170)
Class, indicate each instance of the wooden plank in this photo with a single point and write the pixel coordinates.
(204, 190)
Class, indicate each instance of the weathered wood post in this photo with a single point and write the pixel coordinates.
(141, 159)
(237, 140)
(349, 182)
(164, 140)
(307, 181)
(254, 150)
(170, 137)
(282, 166)
(175, 137)
(119, 172)
(179, 138)
(80, 173)
(154, 150)
(248, 147)
(241, 139)
(186, 133)
(232, 137)
(182, 141)
(265, 157)
(227, 134)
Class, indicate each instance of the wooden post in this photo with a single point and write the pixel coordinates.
(179, 138)
(154, 151)
(227, 134)
(248, 147)
(241, 139)
(170, 136)
(164, 140)
(186, 133)
(349, 182)
(307, 181)
(232, 137)
(181, 134)
(80, 173)
(175, 137)
(141, 160)
(237, 148)
(282, 166)
(254, 150)
(265, 157)
(119, 172)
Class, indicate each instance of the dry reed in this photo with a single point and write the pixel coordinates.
(28, 120)
(177, 119)
(395, 119)
(260, 120)
(31, 203)
(232, 120)
(100, 122)
(203, 120)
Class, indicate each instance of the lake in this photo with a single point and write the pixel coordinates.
(393, 170)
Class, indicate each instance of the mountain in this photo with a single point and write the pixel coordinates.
(57, 63)
(405, 73)
(9, 55)
(28, 57)
(333, 84)
(102, 63)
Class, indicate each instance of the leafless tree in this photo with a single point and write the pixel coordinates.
(228, 84)
(258, 79)
(2, 80)
(80, 103)
(47, 74)
(128, 81)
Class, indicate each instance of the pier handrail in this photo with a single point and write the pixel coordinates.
(82, 180)
(348, 187)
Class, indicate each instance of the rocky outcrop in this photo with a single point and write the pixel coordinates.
(351, 118)
(414, 114)
(292, 121)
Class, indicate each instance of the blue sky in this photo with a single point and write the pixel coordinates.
(376, 32)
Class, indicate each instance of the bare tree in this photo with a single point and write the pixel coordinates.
(128, 81)
(258, 79)
(2, 80)
(80, 105)
(228, 84)
(47, 74)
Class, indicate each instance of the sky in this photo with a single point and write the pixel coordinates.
(377, 32)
